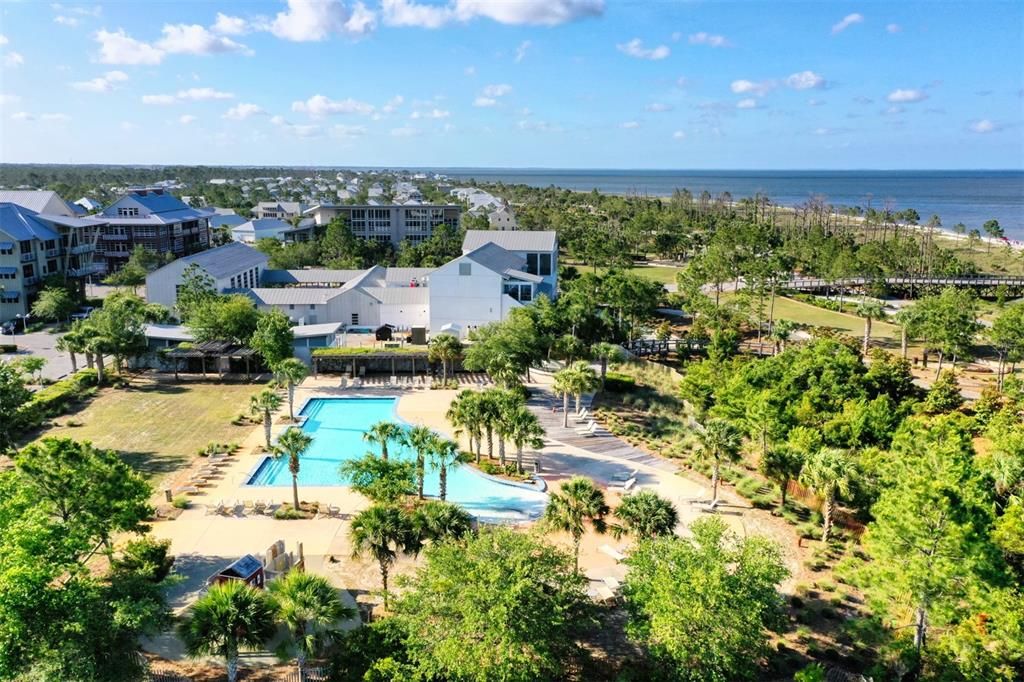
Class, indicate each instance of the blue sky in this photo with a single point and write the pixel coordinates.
(515, 83)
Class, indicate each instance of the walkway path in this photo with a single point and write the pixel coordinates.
(602, 443)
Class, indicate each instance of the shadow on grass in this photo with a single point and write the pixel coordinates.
(154, 464)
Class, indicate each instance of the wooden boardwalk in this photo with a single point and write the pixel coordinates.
(818, 283)
(602, 443)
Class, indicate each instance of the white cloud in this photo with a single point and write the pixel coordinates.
(909, 95)
(12, 59)
(7, 99)
(521, 50)
(120, 48)
(3, 39)
(484, 102)
(682, 82)
(128, 126)
(228, 25)
(22, 116)
(710, 39)
(630, 125)
(748, 103)
(58, 118)
(197, 40)
(635, 48)
(894, 110)
(187, 119)
(679, 135)
(104, 83)
(894, 28)
(469, 71)
(347, 131)
(319, 106)
(242, 111)
(64, 20)
(533, 12)
(433, 113)
(203, 94)
(658, 107)
(392, 104)
(745, 87)
(405, 131)
(805, 80)
(984, 126)
(405, 13)
(538, 126)
(308, 130)
(846, 22)
(158, 99)
(497, 90)
(314, 20)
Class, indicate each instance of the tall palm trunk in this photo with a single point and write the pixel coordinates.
(565, 410)
(904, 342)
(783, 485)
(291, 401)
(384, 581)
(74, 361)
(295, 491)
(519, 458)
(384, 450)
(576, 552)
(232, 666)
(501, 450)
(266, 426)
(490, 442)
(444, 483)
(578, 397)
(714, 484)
(829, 508)
(867, 334)
(419, 474)
(604, 371)
(99, 368)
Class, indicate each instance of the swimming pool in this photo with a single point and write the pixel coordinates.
(337, 426)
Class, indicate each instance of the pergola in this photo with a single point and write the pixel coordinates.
(216, 350)
(334, 362)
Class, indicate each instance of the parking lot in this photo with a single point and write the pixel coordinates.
(41, 344)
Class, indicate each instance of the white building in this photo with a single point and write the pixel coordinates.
(231, 266)
(502, 219)
(282, 210)
(539, 248)
(270, 228)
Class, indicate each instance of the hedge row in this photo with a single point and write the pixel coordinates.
(53, 400)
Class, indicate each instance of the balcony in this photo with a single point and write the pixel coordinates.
(115, 237)
(82, 248)
(28, 257)
(110, 253)
(52, 253)
(86, 270)
(29, 281)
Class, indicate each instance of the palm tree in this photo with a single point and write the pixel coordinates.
(291, 444)
(506, 402)
(781, 465)
(828, 474)
(584, 380)
(564, 385)
(291, 372)
(422, 440)
(719, 441)
(645, 515)
(909, 319)
(263, 403)
(781, 330)
(382, 433)
(230, 617)
(311, 610)
(443, 456)
(383, 531)
(578, 502)
(523, 429)
(438, 521)
(489, 415)
(465, 415)
(606, 353)
(444, 348)
(869, 310)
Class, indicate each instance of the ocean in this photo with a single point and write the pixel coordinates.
(970, 197)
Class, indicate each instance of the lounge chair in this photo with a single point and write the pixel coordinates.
(612, 582)
(259, 507)
(248, 506)
(588, 430)
(199, 482)
(218, 508)
(343, 383)
(187, 490)
(625, 486)
(612, 552)
(583, 416)
(625, 476)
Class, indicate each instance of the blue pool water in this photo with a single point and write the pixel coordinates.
(337, 426)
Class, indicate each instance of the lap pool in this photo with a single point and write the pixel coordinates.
(337, 426)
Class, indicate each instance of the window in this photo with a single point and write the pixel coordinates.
(545, 265)
(538, 264)
(26, 246)
(234, 283)
(10, 296)
(8, 274)
(127, 212)
(291, 306)
(28, 271)
(312, 306)
(465, 269)
(7, 249)
(355, 318)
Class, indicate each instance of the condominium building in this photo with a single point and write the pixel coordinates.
(160, 222)
(36, 245)
(393, 223)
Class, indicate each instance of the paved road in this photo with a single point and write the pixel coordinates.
(58, 365)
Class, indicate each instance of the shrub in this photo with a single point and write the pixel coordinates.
(289, 514)
(617, 382)
(181, 502)
(147, 557)
(51, 401)
(8, 348)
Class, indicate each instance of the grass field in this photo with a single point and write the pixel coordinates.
(158, 428)
(664, 275)
(805, 313)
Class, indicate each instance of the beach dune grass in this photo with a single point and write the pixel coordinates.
(158, 428)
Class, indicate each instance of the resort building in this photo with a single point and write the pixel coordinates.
(502, 219)
(538, 248)
(393, 223)
(151, 218)
(231, 266)
(281, 210)
(271, 228)
(36, 245)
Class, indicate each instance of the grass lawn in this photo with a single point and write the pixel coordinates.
(158, 428)
(664, 275)
(805, 313)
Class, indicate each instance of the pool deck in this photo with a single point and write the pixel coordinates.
(205, 542)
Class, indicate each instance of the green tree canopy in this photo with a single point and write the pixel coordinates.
(273, 338)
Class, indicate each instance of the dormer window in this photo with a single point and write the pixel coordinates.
(128, 212)
(465, 269)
